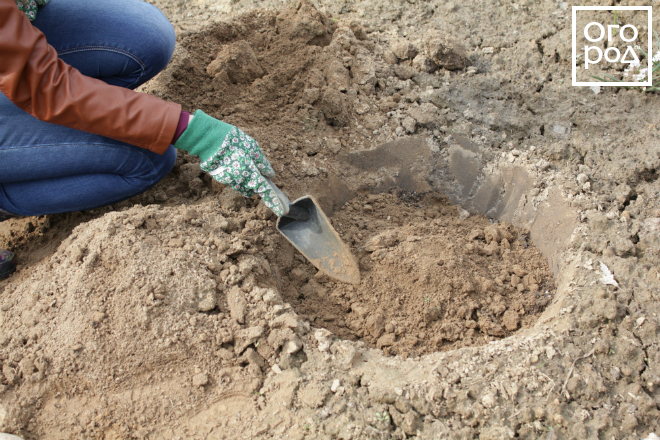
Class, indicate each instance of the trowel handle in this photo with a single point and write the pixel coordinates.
(291, 211)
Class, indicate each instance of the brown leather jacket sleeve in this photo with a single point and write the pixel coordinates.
(37, 81)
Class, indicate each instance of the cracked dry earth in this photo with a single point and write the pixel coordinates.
(481, 194)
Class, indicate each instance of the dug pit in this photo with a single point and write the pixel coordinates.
(433, 278)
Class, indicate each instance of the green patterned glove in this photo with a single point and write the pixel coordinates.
(231, 157)
(29, 7)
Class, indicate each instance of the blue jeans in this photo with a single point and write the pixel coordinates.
(50, 169)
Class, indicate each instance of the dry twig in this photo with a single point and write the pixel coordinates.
(563, 388)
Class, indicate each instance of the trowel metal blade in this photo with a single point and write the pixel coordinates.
(318, 241)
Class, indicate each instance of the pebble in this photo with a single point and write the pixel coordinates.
(409, 124)
(201, 379)
(237, 304)
(324, 338)
(488, 400)
(292, 346)
(335, 385)
(404, 49)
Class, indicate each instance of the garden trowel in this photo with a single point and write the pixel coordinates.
(307, 228)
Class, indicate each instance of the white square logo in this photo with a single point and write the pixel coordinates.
(606, 43)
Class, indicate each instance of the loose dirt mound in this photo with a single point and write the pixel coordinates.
(308, 89)
(431, 280)
(143, 294)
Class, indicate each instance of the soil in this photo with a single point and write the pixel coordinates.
(481, 194)
(431, 280)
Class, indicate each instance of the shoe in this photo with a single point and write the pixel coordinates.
(4, 215)
(4, 436)
(7, 263)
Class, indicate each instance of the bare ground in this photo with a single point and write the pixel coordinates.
(183, 313)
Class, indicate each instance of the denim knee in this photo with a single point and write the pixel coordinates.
(122, 42)
(163, 164)
(160, 38)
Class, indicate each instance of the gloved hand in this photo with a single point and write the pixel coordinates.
(231, 157)
(29, 7)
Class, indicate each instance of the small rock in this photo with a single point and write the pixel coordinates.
(335, 385)
(409, 125)
(189, 172)
(334, 105)
(9, 373)
(403, 72)
(206, 294)
(375, 324)
(383, 240)
(201, 379)
(238, 62)
(386, 340)
(287, 320)
(254, 358)
(411, 423)
(311, 95)
(237, 304)
(276, 369)
(511, 320)
(247, 337)
(334, 145)
(338, 76)
(358, 30)
(445, 52)
(272, 297)
(492, 233)
(539, 413)
(404, 49)
(422, 63)
(231, 200)
(98, 316)
(488, 400)
(389, 57)
(350, 357)
(519, 271)
(314, 395)
(26, 366)
(292, 346)
(609, 309)
(431, 315)
(426, 115)
(324, 338)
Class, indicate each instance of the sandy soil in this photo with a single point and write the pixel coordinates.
(481, 194)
